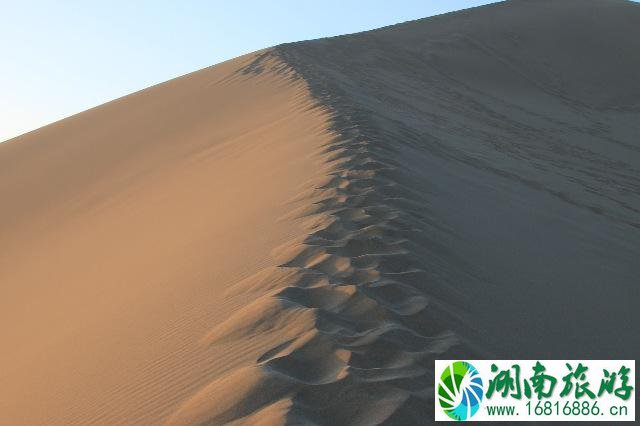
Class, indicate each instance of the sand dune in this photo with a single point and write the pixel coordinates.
(123, 226)
(295, 235)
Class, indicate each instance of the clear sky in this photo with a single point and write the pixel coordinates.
(58, 58)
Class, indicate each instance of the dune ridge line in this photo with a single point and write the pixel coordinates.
(354, 334)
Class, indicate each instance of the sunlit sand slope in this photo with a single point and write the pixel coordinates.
(122, 227)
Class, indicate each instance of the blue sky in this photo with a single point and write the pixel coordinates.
(62, 57)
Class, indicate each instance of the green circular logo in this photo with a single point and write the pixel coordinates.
(460, 390)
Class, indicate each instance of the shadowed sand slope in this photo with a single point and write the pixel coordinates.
(294, 236)
(484, 200)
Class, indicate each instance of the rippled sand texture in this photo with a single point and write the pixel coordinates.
(123, 226)
(294, 236)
